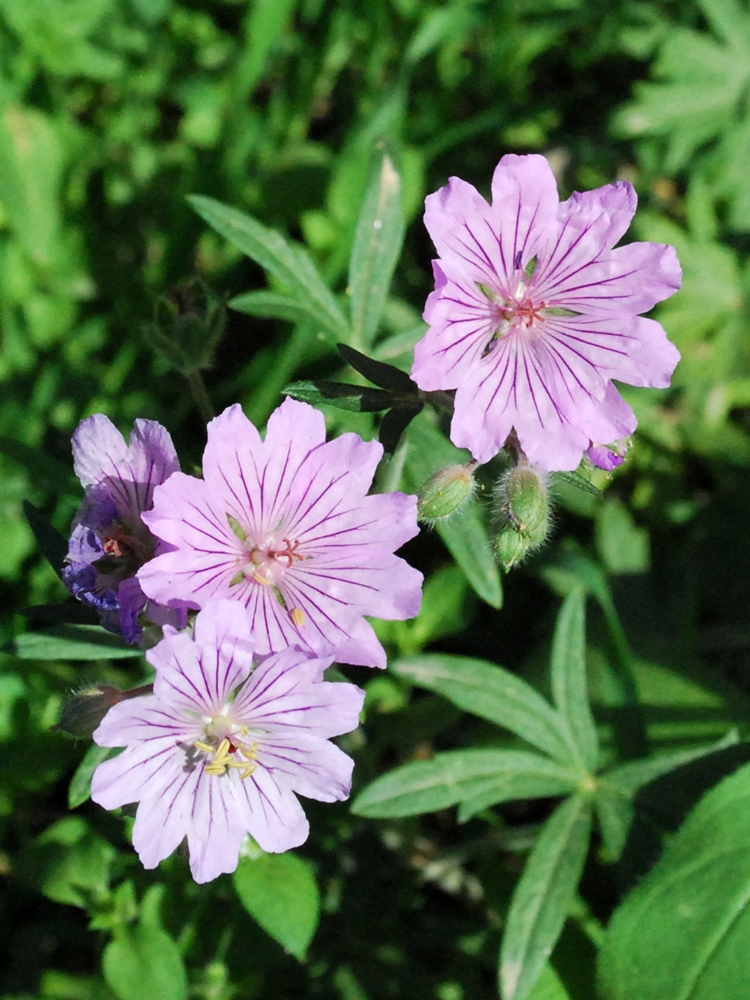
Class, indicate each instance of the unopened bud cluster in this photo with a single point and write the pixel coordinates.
(446, 492)
(522, 520)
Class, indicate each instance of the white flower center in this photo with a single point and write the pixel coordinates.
(226, 745)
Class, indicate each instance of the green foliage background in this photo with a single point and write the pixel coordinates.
(111, 113)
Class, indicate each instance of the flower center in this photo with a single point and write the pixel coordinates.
(266, 560)
(125, 551)
(227, 748)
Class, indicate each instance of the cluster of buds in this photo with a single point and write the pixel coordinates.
(522, 514)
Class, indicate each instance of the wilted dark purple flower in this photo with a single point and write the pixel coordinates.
(285, 527)
(220, 749)
(109, 541)
(534, 313)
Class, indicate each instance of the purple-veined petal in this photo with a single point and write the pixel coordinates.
(271, 812)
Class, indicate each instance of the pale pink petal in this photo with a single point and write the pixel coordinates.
(216, 828)
(459, 221)
(271, 812)
(309, 766)
(627, 281)
(589, 224)
(524, 207)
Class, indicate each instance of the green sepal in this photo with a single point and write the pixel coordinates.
(356, 398)
(377, 372)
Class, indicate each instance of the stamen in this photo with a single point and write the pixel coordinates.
(223, 756)
(298, 617)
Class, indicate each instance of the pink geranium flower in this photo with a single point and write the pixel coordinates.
(534, 314)
(284, 526)
(222, 749)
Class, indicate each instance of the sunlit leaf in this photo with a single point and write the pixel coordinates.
(543, 896)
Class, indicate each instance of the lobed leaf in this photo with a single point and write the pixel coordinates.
(286, 260)
(459, 775)
(492, 693)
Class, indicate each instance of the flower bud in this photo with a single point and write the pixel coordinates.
(446, 492)
(188, 324)
(523, 514)
(86, 709)
(524, 499)
(510, 548)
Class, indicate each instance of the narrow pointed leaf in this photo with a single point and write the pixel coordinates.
(71, 642)
(616, 790)
(569, 687)
(684, 932)
(451, 777)
(492, 693)
(274, 305)
(286, 260)
(357, 398)
(53, 544)
(543, 897)
(378, 372)
(542, 778)
(393, 424)
(377, 244)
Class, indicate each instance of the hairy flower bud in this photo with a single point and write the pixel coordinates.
(86, 709)
(523, 514)
(446, 492)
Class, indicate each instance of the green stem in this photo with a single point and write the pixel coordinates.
(198, 389)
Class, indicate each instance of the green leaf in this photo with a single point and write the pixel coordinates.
(457, 775)
(73, 862)
(274, 305)
(144, 961)
(684, 933)
(80, 785)
(53, 544)
(377, 244)
(393, 424)
(541, 779)
(286, 260)
(31, 164)
(464, 535)
(356, 398)
(280, 892)
(543, 896)
(379, 373)
(549, 986)
(616, 789)
(71, 642)
(569, 686)
(492, 693)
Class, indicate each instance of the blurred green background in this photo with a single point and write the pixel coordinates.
(111, 112)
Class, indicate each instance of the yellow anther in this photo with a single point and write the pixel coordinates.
(298, 617)
(222, 756)
(262, 579)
